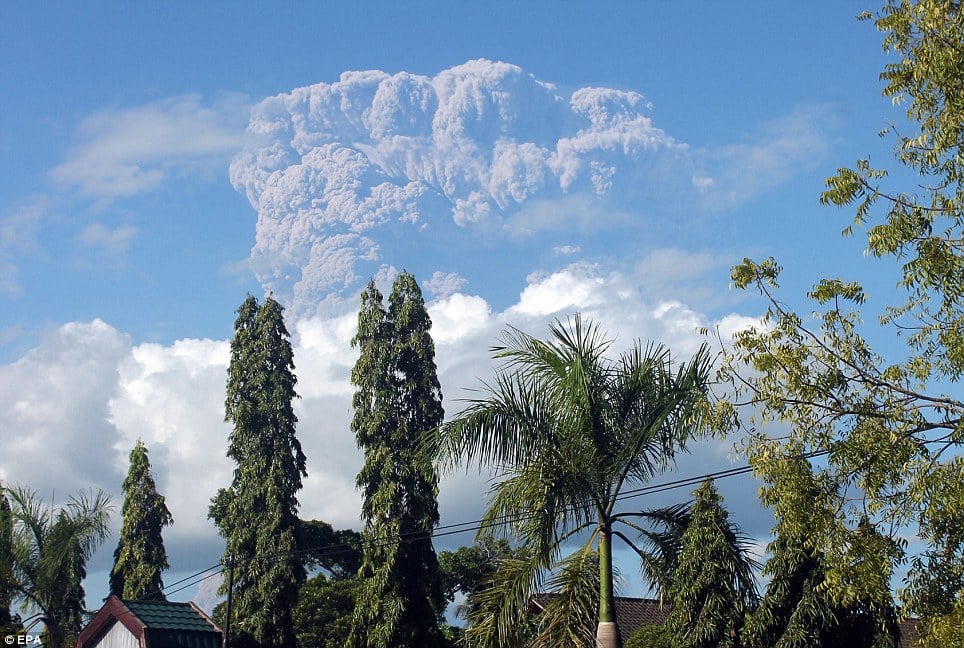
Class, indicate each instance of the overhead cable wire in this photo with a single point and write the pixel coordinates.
(334, 550)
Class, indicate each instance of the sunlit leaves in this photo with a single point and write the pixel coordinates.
(884, 435)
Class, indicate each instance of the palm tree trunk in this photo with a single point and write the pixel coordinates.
(607, 632)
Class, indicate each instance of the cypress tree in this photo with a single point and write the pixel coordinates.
(258, 513)
(713, 584)
(397, 400)
(140, 558)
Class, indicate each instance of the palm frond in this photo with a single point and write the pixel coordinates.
(498, 430)
(568, 619)
(534, 506)
(499, 613)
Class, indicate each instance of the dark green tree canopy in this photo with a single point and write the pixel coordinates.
(140, 558)
(714, 584)
(258, 513)
(323, 615)
(397, 402)
(799, 607)
(335, 551)
(467, 570)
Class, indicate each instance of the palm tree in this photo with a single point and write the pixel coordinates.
(49, 553)
(572, 430)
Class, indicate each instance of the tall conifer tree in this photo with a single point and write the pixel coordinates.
(258, 514)
(140, 557)
(713, 585)
(397, 401)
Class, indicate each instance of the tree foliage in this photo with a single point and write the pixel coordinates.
(258, 513)
(946, 630)
(336, 551)
(798, 607)
(323, 615)
(9, 621)
(891, 430)
(140, 558)
(570, 429)
(326, 601)
(650, 636)
(713, 586)
(397, 402)
(49, 552)
(467, 571)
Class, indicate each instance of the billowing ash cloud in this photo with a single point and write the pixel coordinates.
(336, 168)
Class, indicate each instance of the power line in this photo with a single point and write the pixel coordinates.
(198, 581)
(329, 551)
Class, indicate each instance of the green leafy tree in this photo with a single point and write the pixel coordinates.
(397, 402)
(798, 607)
(572, 430)
(258, 513)
(323, 615)
(946, 630)
(326, 601)
(891, 424)
(337, 552)
(50, 549)
(714, 583)
(140, 558)
(650, 636)
(468, 570)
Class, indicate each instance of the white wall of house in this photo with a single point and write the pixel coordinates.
(118, 637)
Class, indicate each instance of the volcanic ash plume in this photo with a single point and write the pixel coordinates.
(331, 167)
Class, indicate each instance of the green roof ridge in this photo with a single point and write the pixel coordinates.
(169, 615)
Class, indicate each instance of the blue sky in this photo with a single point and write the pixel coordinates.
(641, 150)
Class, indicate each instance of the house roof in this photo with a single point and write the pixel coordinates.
(636, 612)
(631, 612)
(157, 624)
(909, 633)
(167, 615)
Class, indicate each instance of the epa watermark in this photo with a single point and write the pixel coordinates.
(22, 640)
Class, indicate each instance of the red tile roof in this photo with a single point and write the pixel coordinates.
(635, 612)
(631, 612)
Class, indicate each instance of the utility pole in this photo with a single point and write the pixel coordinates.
(229, 563)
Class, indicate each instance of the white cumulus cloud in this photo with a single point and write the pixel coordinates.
(54, 408)
(119, 152)
(74, 406)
